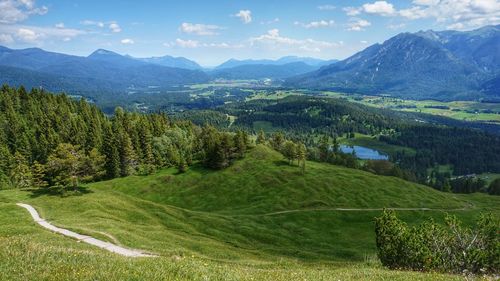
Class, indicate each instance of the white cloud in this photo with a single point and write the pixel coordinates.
(27, 35)
(272, 39)
(223, 45)
(316, 24)
(14, 11)
(357, 24)
(114, 27)
(426, 2)
(245, 16)
(396, 26)
(382, 8)
(455, 14)
(59, 25)
(36, 34)
(127, 41)
(363, 42)
(94, 23)
(186, 43)
(199, 29)
(352, 11)
(6, 38)
(326, 7)
(196, 44)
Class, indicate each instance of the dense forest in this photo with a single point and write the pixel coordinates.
(53, 140)
(306, 119)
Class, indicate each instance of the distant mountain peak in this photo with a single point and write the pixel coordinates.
(103, 52)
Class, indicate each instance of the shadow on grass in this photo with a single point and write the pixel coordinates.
(281, 163)
(59, 191)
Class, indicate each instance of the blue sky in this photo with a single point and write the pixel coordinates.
(211, 32)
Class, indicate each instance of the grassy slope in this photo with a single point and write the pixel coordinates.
(221, 224)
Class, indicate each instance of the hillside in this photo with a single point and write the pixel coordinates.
(436, 65)
(258, 218)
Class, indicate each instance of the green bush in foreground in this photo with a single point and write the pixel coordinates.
(430, 246)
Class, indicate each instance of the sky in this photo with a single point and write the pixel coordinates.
(211, 32)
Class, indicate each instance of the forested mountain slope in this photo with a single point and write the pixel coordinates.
(437, 65)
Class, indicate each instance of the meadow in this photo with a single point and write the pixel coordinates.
(473, 111)
(260, 219)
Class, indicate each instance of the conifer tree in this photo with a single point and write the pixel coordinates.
(20, 172)
(301, 156)
(261, 137)
(38, 174)
(110, 149)
(128, 159)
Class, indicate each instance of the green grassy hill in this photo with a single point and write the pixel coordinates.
(260, 218)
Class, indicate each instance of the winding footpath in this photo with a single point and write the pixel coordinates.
(84, 238)
(361, 210)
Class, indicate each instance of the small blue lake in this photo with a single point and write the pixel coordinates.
(364, 153)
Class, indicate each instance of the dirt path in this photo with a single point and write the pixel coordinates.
(84, 238)
(361, 210)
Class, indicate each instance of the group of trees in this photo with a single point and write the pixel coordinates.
(436, 247)
(292, 151)
(221, 148)
(48, 140)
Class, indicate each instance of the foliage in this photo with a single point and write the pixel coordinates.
(494, 188)
(54, 140)
(431, 246)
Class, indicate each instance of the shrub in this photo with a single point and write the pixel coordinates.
(430, 246)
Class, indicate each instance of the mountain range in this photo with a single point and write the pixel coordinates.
(442, 65)
(177, 62)
(438, 65)
(281, 61)
(281, 68)
(101, 71)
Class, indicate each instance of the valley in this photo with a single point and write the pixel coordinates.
(212, 140)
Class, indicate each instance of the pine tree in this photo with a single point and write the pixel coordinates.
(301, 156)
(324, 149)
(128, 159)
(261, 137)
(146, 139)
(66, 165)
(20, 172)
(240, 143)
(93, 166)
(38, 174)
(110, 151)
(277, 140)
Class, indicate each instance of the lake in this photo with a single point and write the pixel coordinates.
(364, 153)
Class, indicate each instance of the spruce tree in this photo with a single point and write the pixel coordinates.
(110, 151)
(38, 174)
(20, 172)
(261, 137)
